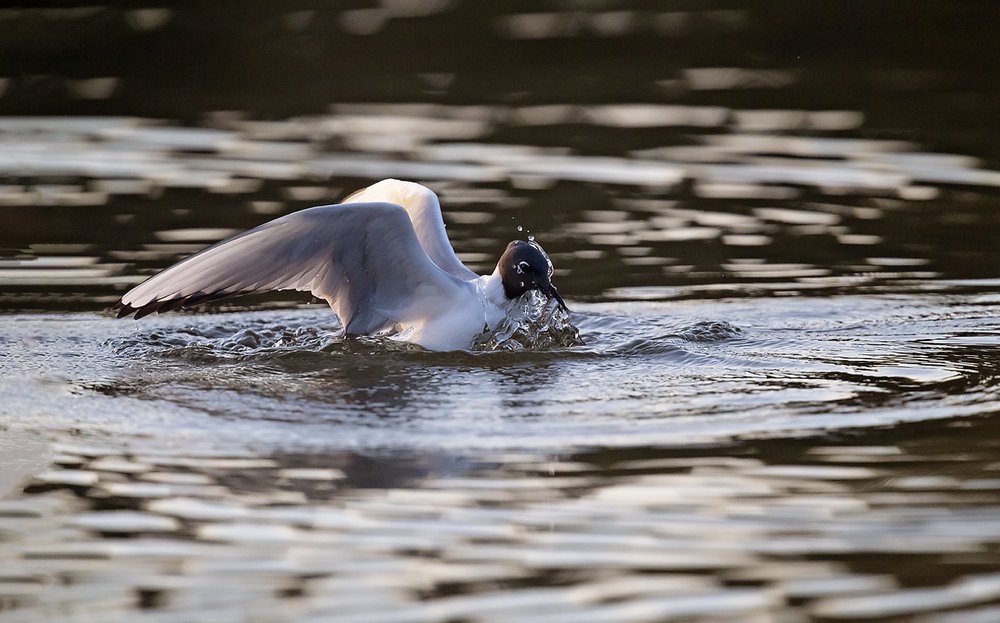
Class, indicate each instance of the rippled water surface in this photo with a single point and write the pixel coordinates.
(776, 229)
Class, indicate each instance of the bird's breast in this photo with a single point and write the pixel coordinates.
(452, 327)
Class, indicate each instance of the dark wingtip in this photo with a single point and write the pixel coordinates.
(145, 310)
(122, 309)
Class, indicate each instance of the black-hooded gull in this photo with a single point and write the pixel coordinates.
(381, 259)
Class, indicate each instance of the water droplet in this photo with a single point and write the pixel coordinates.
(519, 228)
(531, 237)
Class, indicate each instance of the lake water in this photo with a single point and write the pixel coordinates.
(776, 228)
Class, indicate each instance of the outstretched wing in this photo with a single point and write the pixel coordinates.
(363, 258)
(424, 209)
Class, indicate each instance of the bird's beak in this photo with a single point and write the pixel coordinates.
(550, 291)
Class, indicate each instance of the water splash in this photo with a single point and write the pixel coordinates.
(533, 322)
(241, 340)
(711, 331)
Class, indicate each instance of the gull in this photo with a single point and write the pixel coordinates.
(381, 259)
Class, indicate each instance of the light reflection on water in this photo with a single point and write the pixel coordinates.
(684, 462)
(763, 197)
(593, 536)
(646, 373)
(782, 263)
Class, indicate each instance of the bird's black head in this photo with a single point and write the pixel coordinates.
(524, 266)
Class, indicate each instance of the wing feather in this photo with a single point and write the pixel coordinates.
(424, 209)
(364, 258)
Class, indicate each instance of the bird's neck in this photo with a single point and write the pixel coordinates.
(492, 288)
(495, 301)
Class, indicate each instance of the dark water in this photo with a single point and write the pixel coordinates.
(776, 225)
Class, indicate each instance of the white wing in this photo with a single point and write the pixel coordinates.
(363, 258)
(424, 209)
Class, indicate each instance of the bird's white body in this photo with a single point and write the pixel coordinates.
(457, 324)
(381, 259)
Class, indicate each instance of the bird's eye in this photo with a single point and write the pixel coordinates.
(522, 267)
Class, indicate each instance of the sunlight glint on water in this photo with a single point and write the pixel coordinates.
(779, 248)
